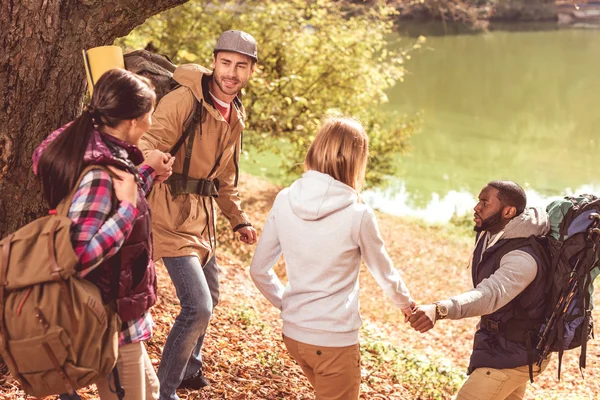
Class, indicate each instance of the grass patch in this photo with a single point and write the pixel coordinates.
(248, 318)
(425, 377)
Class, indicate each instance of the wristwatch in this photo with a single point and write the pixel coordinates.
(441, 311)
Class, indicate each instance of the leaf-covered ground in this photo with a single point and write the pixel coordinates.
(245, 357)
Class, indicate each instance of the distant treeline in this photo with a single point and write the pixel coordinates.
(474, 14)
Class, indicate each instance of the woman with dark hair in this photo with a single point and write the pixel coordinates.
(111, 218)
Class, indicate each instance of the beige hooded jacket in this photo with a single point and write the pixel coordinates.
(183, 225)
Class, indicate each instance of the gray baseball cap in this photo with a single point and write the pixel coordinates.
(238, 42)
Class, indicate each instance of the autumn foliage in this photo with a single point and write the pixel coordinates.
(245, 357)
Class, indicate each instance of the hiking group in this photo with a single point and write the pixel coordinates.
(137, 181)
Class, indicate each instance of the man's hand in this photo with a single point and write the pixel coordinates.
(423, 319)
(247, 234)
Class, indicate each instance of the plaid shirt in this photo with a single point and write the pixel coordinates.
(98, 233)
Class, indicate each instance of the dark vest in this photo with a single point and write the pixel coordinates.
(500, 341)
(136, 291)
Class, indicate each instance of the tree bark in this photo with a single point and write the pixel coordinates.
(42, 81)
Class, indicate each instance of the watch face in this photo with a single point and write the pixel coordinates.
(442, 310)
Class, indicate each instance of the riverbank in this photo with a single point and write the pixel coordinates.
(471, 16)
(433, 260)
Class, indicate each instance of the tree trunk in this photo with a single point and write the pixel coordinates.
(42, 81)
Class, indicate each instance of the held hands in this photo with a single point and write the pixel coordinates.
(247, 234)
(125, 186)
(162, 163)
(423, 318)
(408, 311)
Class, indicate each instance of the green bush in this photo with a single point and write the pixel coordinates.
(315, 58)
(424, 376)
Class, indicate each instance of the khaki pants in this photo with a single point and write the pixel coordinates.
(136, 375)
(334, 372)
(498, 384)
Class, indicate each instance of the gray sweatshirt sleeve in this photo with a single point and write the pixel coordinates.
(517, 270)
(266, 255)
(379, 262)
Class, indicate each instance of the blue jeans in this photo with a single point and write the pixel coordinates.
(198, 292)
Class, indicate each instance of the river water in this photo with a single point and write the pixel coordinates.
(513, 105)
(520, 105)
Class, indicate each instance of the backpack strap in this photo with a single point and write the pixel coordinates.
(531, 330)
(592, 254)
(180, 182)
(585, 296)
(567, 219)
(3, 282)
(189, 125)
(55, 272)
(119, 391)
(197, 116)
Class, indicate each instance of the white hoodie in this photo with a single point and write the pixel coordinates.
(322, 231)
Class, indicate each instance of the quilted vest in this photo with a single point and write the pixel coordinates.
(136, 291)
(499, 341)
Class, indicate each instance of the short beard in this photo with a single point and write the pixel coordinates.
(489, 222)
(218, 79)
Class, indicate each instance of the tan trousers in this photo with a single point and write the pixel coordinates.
(498, 384)
(136, 375)
(334, 372)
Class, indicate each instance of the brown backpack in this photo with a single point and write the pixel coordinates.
(156, 67)
(56, 335)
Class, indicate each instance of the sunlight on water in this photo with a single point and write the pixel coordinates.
(501, 105)
(397, 201)
(519, 105)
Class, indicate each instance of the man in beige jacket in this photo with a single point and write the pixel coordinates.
(205, 171)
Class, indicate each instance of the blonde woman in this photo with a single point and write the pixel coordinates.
(323, 231)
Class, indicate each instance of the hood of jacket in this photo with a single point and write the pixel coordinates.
(191, 76)
(196, 77)
(317, 195)
(102, 149)
(532, 222)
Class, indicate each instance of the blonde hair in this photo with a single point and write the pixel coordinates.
(341, 150)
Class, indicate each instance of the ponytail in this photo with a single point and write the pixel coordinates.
(62, 162)
(119, 95)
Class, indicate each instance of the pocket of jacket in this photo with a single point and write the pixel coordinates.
(187, 208)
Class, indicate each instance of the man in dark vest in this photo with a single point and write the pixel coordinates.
(508, 294)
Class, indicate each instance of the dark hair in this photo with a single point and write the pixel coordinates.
(119, 95)
(510, 194)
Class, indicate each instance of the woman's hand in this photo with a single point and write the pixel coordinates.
(125, 185)
(408, 311)
(162, 163)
